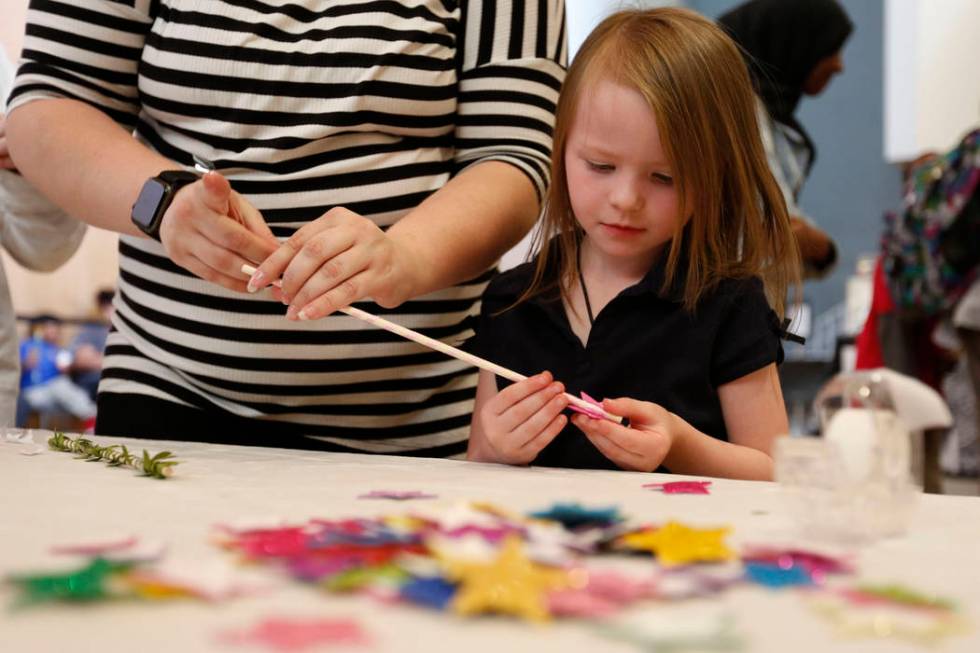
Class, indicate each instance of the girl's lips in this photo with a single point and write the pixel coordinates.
(621, 229)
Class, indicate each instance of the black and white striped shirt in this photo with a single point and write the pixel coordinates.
(305, 105)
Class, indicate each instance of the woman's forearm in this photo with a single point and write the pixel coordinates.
(462, 229)
(81, 160)
(694, 452)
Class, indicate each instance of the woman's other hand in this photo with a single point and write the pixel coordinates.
(334, 261)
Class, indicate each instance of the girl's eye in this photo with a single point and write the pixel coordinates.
(661, 178)
(599, 167)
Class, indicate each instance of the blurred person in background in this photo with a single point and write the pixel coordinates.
(793, 48)
(36, 234)
(88, 345)
(45, 387)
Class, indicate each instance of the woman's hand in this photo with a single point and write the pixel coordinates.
(520, 420)
(334, 261)
(6, 163)
(198, 235)
(640, 447)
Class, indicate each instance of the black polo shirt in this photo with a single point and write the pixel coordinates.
(642, 345)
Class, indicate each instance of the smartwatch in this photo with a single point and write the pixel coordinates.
(155, 198)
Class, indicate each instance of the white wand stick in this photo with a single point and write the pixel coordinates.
(459, 354)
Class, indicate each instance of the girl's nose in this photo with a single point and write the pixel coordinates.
(627, 195)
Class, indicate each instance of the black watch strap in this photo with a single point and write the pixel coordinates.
(155, 198)
(178, 178)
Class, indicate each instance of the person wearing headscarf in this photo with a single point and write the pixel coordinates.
(793, 49)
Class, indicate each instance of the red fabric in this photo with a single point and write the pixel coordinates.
(931, 361)
(868, 346)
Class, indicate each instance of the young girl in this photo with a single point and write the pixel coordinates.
(667, 232)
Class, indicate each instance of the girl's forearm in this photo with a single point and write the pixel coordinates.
(696, 453)
(82, 160)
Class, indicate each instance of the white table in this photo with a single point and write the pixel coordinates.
(52, 498)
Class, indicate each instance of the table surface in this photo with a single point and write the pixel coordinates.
(54, 499)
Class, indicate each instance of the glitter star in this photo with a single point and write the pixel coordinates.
(574, 515)
(676, 544)
(776, 576)
(86, 584)
(510, 584)
(284, 634)
(680, 487)
(397, 495)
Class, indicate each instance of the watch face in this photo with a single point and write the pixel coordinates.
(148, 201)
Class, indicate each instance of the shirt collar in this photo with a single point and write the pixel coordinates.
(651, 284)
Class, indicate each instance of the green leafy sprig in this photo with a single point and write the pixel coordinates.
(116, 455)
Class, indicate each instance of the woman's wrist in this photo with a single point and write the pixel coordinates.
(407, 276)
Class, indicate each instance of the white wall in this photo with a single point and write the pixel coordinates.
(12, 16)
(932, 75)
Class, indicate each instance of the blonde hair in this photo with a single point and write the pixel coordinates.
(696, 83)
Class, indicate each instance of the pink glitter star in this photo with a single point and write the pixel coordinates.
(299, 634)
(681, 487)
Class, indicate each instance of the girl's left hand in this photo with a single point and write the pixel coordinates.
(640, 447)
(332, 262)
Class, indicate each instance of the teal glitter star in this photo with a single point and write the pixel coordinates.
(574, 515)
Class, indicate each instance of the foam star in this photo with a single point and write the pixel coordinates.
(510, 584)
(777, 576)
(817, 565)
(433, 592)
(89, 583)
(456, 515)
(925, 627)
(282, 634)
(676, 544)
(397, 495)
(680, 487)
(898, 595)
(702, 631)
(574, 515)
(355, 579)
(598, 593)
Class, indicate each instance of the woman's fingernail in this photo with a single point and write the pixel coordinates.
(308, 313)
(291, 313)
(256, 281)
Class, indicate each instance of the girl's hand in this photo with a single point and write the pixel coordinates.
(520, 420)
(640, 447)
(198, 235)
(334, 261)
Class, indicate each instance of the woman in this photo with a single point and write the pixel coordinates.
(793, 49)
(414, 138)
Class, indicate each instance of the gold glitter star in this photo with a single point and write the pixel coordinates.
(510, 584)
(676, 544)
